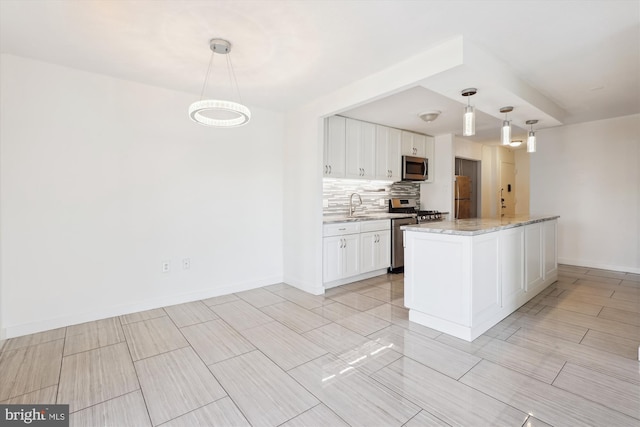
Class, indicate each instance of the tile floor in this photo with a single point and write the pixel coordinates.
(278, 356)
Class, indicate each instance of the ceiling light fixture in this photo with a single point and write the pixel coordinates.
(225, 113)
(531, 139)
(469, 120)
(506, 126)
(516, 143)
(429, 116)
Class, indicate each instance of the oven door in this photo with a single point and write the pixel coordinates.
(415, 168)
(397, 243)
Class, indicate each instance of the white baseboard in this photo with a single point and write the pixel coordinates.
(76, 318)
(588, 264)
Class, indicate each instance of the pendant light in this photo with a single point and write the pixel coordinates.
(469, 119)
(531, 139)
(229, 113)
(506, 126)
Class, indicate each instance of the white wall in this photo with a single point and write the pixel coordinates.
(438, 195)
(522, 181)
(589, 174)
(102, 179)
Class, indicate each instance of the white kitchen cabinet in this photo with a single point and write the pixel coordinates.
(360, 149)
(534, 262)
(511, 243)
(550, 256)
(334, 147)
(413, 144)
(375, 245)
(388, 142)
(341, 251)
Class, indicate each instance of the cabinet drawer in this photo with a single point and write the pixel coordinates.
(378, 225)
(340, 228)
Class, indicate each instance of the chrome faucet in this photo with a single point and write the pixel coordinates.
(352, 208)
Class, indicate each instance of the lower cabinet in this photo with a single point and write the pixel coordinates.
(353, 250)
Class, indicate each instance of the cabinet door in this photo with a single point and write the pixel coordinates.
(420, 145)
(533, 253)
(550, 256)
(368, 251)
(334, 147)
(351, 255)
(511, 244)
(388, 141)
(383, 250)
(407, 143)
(430, 155)
(360, 149)
(332, 258)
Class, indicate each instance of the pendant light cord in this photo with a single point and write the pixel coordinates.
(232, 78)
(206, 77)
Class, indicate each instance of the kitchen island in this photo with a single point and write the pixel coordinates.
(464, 276)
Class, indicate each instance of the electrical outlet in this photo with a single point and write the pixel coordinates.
(186, 263)
(166, 266)
(381, 202)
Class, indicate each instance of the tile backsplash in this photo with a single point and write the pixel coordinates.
(337, 192)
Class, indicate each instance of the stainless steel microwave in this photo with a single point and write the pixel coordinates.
(415, 168)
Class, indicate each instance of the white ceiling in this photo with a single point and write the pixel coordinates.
(583, 57)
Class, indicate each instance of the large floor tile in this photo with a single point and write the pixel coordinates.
(335, 338)
(127, 410)
(357, 301)
(353, 396)
(606, 273)
(335, 311)
(611, 392)
(43, 396)
(142, 315)
(285, 347)
(221, 413)
(613, 344)
(592, 358)
(630, 317)
(89, 336)
(175, 383)
(363, 323)
(464, 345)
(541, 366)
(434, 354)
(34, 339)
(260, 297)
(295, 317)
(222, 299)
(425, 419)
(548, 403)
(265, 394)
(29, 368)
(190, 313)
(441, 396)
(370, 357)
(241, 315)
(302, 298)
(215, 341)
(95, 376)
(151, 337)
(319, 415)
(381, 294)
(571, 305)
(592, 322)
(400, 316)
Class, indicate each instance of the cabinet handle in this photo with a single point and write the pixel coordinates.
(326, 170)
(345, 243)
(329, 169)
(341, 240)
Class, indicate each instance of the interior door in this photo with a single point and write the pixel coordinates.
(508, 188)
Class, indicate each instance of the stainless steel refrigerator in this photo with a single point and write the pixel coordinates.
(462, 201)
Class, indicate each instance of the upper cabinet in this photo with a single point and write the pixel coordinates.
(413, 144)
(334, 147)
(388, 153)
(361, 149)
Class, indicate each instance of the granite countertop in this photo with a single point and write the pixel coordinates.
(475, 226)
(326, 219)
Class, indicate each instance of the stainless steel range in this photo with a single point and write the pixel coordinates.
(414, 216)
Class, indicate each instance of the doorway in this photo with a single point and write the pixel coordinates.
(470, 169)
